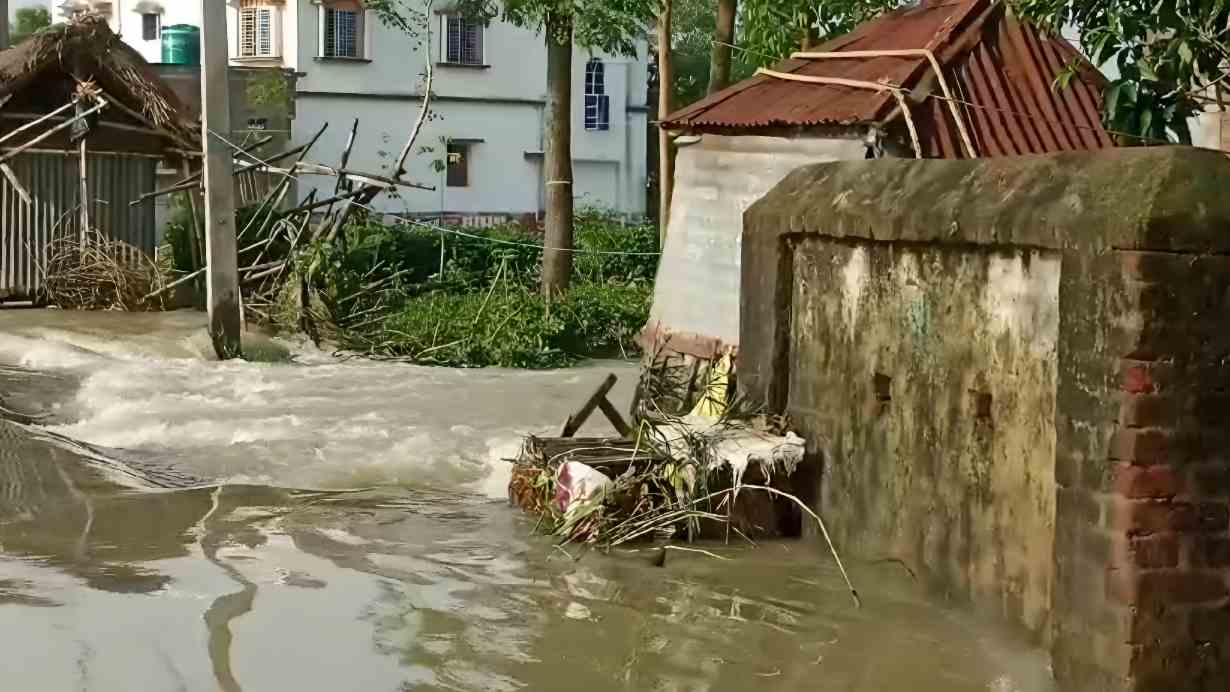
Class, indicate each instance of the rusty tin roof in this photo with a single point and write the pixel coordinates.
(1000, 72)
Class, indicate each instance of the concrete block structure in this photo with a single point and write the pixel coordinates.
(1015, 374)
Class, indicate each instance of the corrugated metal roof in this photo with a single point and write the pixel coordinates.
(1000, 72)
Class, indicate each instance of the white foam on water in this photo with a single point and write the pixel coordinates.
(318, 423)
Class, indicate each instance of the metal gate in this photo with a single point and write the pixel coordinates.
(26, 230)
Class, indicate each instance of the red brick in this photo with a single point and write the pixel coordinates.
(1212, 480)
(1122, 586)
(1137, 378)
(1208, 551)
(1213, 516)
(1147, 481)
(1145, 517)
(1152, 266)
(1140, 446)
(1159, 550)
(1170, 587)
(1146, 411)
(1144, 377)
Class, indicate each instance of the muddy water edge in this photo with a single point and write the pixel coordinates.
(174, 523)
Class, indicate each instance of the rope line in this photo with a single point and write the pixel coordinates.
(1007, 111)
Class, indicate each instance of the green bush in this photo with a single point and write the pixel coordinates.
(387, 295)
(512, 326)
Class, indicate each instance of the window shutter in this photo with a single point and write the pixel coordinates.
(247, 32)
(604, 112)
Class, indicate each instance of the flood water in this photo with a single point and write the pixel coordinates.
(173, 523)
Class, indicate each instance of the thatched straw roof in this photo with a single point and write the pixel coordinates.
(87, 50)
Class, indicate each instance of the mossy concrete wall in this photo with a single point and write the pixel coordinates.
(1016, 373)
(931, 373)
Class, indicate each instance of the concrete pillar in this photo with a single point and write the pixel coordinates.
(221, 252)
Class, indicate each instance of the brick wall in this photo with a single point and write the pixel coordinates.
(1140, 469)
(1143, 468)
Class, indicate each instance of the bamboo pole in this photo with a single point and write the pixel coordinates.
(85, 190)
(39, 121)
(14, 152)
(905, 53)
(856, 84)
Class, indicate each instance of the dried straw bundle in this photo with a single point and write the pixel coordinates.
(99, 273)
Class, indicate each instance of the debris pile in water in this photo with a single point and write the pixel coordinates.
(94, 272)
(709, 473)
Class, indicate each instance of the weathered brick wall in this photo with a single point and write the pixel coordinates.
(1139, 467)
(1142, 549)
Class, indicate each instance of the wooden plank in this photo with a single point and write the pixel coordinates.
(612, 414)
(576, 420)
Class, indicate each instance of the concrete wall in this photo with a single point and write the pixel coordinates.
(696, 297)
(931, 372)
(500, 102)
(1015, 373)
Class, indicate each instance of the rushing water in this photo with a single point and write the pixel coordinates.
(173, 523)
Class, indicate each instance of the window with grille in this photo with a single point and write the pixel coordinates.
(258, 32)
(343, 31)
(463, 41)
(597, 103)
(149, 26)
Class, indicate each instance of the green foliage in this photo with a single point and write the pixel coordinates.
(607, 25)
(512, 325)
(770, 30)
(1168, 54)
(29, 20)
(694, 24)
(178, 234)
(270, 90)
(597, 232)
(388, 296)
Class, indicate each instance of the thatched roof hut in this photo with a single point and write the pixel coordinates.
(54, 61)
(84, 123)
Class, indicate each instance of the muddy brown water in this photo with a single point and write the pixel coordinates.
(174, 523)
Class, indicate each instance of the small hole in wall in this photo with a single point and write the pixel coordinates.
(982, 405)
(882, 385)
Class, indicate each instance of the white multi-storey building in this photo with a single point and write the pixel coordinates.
(483, 144)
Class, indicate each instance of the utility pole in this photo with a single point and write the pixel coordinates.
(222, 283)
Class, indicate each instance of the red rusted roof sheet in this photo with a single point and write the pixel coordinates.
(999, 70)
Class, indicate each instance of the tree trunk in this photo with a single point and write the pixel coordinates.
(666, 86)
(557, 164)
(724, 37)
(811, 35)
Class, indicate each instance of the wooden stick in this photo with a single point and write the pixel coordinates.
(85, 190)
(12, 178)
(308, 206)
(612, 414)
(278, 191)
(178, 187)
(576, 420)
(14, 152)
(186, 183)
(40, 120)
(144, 120)
(271, 268)
(906, 53)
